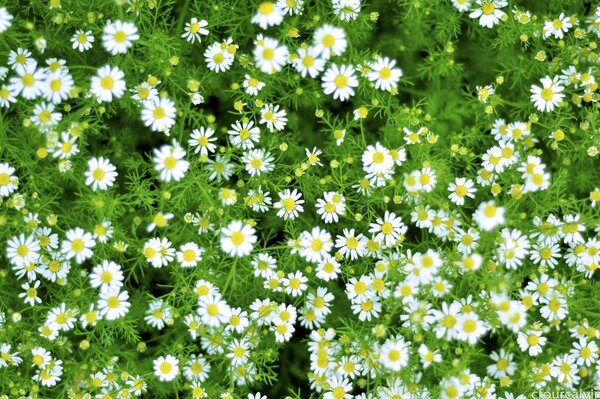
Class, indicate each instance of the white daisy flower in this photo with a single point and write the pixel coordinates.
(82, 41)
(308, 62)
(270, 57)
(107, 275)
(289, 204)
(202, 140)
(238, 239)
(394, 354)
(340, 81)
(5, 19)
(194, 30)
(29, 82)
(119, 36)
(113, 304)
(213, 310)
(22, 250)
(547, 97)
(385, 74)
(78, 244)
(268, 14)
(243, 134)
(488, 215)
(252, 85)
(159, 115)
(488, 12)
(316, 244)
(169, 162)
(101, 174)
(274, 118)
(330, 41)
(166, 368)
(557, 27)
(58, 86)
(108, 83)
(8, 181)
(218, 58)
(189, 254)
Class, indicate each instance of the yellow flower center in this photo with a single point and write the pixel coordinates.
(107, 83)
(341, 81)
(547, 94)
(77, 245)
(119, 36)
(237, 238)
(488, 8)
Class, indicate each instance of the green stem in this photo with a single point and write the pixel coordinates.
(182, 16)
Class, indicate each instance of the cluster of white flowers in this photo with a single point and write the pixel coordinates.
(394, 254)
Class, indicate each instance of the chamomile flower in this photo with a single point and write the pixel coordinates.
(218, 58)
(189, 254)
(30, 293)
(8, 181)
(394, 354)
(331, 206)
(119, 36)
(82, 40)
(488, 215)
(273, 117)
(29, 82)
(252, 85)
(469, 327)
(346, 10)
(158, 314)
(5, 19)
(7, 96)
(270, 57)
(108, 83)
(330, 41)
(144, 92)
(352, 246)
(377, 159)
(203, 141)
(531, 341)
(565, 370)
(461, 188)
(268, 14)
(78, 244)
(243, 134)
(557, 27)
(290, 7)
(107, 275)
(258, 161)
(289, 204)
(158, 252)
(488, 12)
(316, 244)
(159, 115)
(101, 174)
(213, 311)
(385, 74)
(58, 86)
(113, 304)
(238, 239)
(388, 230)
(196, 368)
(547, 97)
(166, 368)
(170, 163)
(308, 62)
(194, 30)
(328, 269)
(340, 81)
